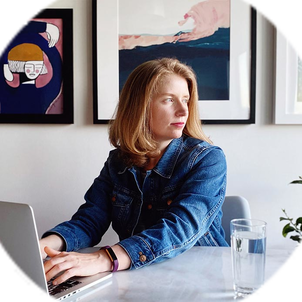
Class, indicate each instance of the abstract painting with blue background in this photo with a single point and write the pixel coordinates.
(208, 55)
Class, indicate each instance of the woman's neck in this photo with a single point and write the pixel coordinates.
(153, 160)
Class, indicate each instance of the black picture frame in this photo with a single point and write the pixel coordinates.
(65, 114)
(102, 68)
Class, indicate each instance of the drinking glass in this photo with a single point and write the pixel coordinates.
(248, 246)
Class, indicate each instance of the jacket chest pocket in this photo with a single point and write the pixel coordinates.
(121, 201)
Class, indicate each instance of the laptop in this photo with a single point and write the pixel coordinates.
(18, 229)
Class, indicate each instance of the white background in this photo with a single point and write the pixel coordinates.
(51, 166)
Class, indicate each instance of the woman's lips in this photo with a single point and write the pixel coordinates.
(180, 124)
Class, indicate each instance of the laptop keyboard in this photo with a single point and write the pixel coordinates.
(56, 289)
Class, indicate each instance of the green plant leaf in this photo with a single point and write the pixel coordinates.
(296, 238)
(283, 218)
(299, 220)
(287, 229)
(296, 182)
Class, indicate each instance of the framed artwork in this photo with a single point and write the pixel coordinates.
(288, 83)
(36, 74)
(216, 38)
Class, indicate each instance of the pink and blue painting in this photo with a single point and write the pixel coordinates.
(33, 68)
(32, 63)
(193, 31)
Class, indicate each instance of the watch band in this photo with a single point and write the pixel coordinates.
(111, 256)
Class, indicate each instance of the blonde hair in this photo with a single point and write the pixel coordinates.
(130, 130)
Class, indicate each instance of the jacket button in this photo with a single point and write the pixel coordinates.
(142, 257)
(169, 202)
(113, 198)
(149, 206)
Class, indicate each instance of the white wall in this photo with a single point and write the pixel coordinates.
(52, 166)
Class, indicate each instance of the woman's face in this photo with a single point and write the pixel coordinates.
(169, 109)
(33, 69)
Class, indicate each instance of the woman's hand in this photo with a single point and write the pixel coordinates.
(54, 241)
(74, 264)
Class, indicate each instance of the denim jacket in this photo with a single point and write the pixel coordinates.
(181, 198)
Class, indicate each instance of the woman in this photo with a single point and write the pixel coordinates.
(162, 187)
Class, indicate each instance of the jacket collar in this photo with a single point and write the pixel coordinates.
(166, 164)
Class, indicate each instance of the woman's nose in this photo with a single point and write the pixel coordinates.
(182, 109)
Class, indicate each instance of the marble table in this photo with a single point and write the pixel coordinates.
(200, 274)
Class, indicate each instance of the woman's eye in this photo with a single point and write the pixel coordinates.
(171, 100)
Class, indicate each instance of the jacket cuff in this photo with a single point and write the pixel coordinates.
(138, 250)
(71, 241)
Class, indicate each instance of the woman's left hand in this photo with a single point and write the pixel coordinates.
(74, 264)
